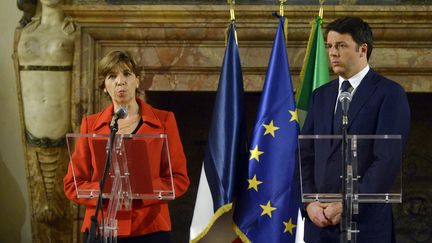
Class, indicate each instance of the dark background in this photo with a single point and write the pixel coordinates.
(193, 110)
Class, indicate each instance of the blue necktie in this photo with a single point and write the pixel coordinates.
(337, 117)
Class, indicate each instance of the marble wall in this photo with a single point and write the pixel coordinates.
(248, 2)
(181, 47)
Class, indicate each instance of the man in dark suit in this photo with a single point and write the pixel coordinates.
(378, 106)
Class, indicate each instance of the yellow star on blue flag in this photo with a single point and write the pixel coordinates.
(294, 116)
(254, 183)
(255, 153)
(270, 128)
(289, 226)
(267, 209)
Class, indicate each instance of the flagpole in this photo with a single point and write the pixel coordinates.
(232, 13)
(232, 20)
(281, 7)
(282, 14)
(321, 10)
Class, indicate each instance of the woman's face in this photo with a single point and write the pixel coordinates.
(121, 84)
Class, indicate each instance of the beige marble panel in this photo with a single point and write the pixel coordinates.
(180, 47)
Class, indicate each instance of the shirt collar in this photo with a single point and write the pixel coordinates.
(356, 79)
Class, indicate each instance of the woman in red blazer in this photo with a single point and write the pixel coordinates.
(149, 220)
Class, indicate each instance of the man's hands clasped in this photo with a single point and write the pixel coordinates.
(324, 214)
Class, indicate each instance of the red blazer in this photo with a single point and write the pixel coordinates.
(147, 216)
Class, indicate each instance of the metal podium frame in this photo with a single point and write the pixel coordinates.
(353, 197)
(131, 154)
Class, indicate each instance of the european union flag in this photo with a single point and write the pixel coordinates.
(267, 207)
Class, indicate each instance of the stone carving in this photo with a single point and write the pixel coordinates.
(29, 9)
(44, 56)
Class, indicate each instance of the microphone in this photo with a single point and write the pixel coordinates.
(345, 99)
(120, 113)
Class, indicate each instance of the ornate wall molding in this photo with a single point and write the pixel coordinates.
(181, 47)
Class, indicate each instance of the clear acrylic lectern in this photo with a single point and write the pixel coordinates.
(321, 169)
(140, 170)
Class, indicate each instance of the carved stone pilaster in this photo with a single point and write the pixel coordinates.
(51, 218)
(43, 56)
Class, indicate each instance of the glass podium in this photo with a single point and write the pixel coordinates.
(370, 173)
(140, 170)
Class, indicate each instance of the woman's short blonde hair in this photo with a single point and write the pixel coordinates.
(107, 63)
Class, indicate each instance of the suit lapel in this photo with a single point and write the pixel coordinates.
(151, 123)
(361, 96)
(102, 121)
(329, 106)
(328, 113)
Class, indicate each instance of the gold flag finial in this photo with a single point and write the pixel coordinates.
(281, 14)
(231, 3)
(232, 19)
(281, 7)
(321, 10)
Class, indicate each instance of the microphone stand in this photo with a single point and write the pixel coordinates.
(345, 204)
(94, 233)
(346, 231)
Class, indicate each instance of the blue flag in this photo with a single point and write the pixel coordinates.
(226, 146)
(268, 203)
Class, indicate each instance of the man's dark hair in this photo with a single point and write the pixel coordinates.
(357, 28)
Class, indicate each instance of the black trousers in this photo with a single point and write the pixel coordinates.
(156, 237)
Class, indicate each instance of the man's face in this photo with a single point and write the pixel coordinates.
(346, 57)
